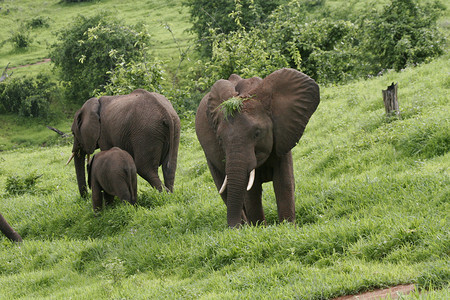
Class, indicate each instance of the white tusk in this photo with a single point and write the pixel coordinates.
(70, 159)
(224, 185)
(88, 158)
(251, 180)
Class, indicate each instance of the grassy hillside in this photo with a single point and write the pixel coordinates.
(155, 13)
(372, 194)
(372, 199)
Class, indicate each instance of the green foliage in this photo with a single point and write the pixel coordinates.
(83, 53)
(27, 96)
(231, 106)
(20, 38)
(404, 33)
(128, 76)
(225, 16)
(18, 185)
(38, 22)
(329, 46)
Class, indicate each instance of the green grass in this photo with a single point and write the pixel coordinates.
(372, 195)
(371, 203)
(156, 14)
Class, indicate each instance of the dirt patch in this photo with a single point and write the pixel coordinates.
(45, 60)
(392, 293)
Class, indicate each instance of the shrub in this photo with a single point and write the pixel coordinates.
(20, 39)
(17, 185)
(218, 15)
(27, 96)
(37, 22)
(82, 53)
(403, 33)
(308, 36)
(126, 77)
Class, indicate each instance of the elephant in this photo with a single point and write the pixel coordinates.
(142, 123)
(112, 173)
(247, 128)
(9, 231)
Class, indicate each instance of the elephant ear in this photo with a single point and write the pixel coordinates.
(221, 91)
(292, 98)
(86, 125)
(245, 86)
(234, 79)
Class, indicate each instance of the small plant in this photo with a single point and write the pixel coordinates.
(21, 39)
(38, 22)
(17, 185)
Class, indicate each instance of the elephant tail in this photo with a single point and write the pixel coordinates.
(170, 163)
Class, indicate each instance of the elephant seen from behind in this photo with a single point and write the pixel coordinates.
(142, 123)
(112, 173)
(247, 128)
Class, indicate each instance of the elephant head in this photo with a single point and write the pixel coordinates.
(252, 124)
(86, 132)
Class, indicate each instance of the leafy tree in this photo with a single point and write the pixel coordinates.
(225, 16)
(82, 53)
(310, 37)
(403, 33)
(126, 77)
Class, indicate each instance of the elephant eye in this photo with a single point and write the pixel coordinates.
(257, 133)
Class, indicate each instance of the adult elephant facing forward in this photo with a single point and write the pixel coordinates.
(142, 123)
(247, 128)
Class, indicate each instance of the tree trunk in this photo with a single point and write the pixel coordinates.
(390, 100)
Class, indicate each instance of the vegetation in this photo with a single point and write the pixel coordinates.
(27, 96)
(329, 46)
(92, 47)
(209, 16)
(371, 191)
(231, 106)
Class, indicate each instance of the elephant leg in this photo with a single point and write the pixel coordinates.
(283, 184)
(109, 199)
(253, 203)
(124, 193)
(97, 197)
(149, 171)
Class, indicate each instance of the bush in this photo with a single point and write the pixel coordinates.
(308, 36)
(404, 33)
(17, 185)
(26, 96)
(20, 39)
(126, 77)
(38, 22)
(83, 51)
(218, 15)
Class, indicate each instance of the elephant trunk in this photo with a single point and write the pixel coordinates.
(9, 231)
(237, 184)
(79, 161)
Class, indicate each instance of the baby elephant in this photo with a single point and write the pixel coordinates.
(112, 172)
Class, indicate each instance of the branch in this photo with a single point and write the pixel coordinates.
(62, 134)
(5, 73)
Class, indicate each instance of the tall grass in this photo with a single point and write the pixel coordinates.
(372, 211)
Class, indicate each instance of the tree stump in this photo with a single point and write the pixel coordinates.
(390, 100)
